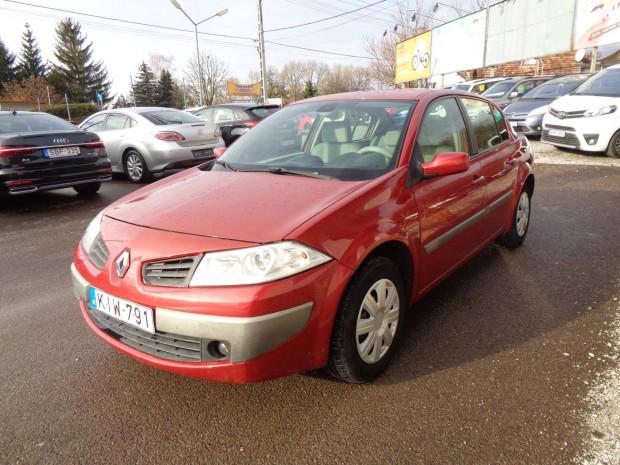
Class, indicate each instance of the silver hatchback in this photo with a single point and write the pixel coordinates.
(142, 141)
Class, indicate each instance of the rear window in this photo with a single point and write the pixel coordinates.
(164, 117)
(263, 112)
(29, 122)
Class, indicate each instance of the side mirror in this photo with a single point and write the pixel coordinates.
(513, 95)
(445, 164)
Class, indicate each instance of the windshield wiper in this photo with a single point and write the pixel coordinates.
(225, 165)
(308, 174)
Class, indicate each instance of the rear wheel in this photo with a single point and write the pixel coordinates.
(87, 189)
(520, 222)
(369, 322)
(136, 168)
(613, 150)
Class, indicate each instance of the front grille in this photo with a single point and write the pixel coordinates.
(561, 128)
(162, 345)
(566, 114)
(173, 273)
(98, 252)
(569, 140)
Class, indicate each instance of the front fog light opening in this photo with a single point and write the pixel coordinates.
(218, 350)
(591, 139)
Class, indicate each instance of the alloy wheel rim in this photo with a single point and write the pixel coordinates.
(134, 167)
(377, 320)
(617, 146)
(523, 214)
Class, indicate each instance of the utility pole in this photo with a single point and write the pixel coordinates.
(261, 52)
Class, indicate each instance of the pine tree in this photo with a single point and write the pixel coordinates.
(76, 74)
(165, 89)
(30, 61)
(7, 68)
(144, 86)
(310, 90)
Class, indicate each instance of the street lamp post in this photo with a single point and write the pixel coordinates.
(221, 13)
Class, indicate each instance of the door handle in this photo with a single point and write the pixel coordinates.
(478, 180)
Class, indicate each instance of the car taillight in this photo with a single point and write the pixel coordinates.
(98, 146)
(250, 124)
(169, 135)
(17, 150)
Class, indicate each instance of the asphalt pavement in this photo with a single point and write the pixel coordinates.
(512, 360)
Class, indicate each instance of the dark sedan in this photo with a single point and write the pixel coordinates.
(235, 119)
(526, 115)
(40, 152)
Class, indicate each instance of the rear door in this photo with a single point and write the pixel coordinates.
(114, 134)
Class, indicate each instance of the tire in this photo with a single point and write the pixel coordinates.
(87, 189)
(613, 150)
(136, 168)
(520, 222)
(415, 62)
(354, 355)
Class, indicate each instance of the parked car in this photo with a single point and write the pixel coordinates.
(41, 152)
(510, 90)
(526, 115)
(587, 119)
(235, 119)
(144, 141)
(257, 266)
(477, 86)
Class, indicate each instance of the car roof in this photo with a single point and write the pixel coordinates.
(387, 94)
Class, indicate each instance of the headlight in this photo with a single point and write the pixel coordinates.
(539, 111)
(256, 264)
(600, 111)
(91, 232)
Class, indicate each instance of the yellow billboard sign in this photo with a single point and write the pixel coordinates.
(413, 58)
(243, 90)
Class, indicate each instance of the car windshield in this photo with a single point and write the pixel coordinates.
(554, 89)
(163, 117)
(345, 139)
(604, 84)
(461, 87)
(498, 90)
(29, 122)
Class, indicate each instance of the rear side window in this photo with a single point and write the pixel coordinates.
(488, 124)
(117, 121)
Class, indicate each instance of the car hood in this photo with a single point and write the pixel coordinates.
(527, 105)
(583, 102)
(250, 207)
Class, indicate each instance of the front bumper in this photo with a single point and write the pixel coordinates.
(587, 134)
(527, 125)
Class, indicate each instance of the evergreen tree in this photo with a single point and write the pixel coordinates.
(121, 102)
(165, 89)
(30, 61)
(77, 74)
(145, 86)
(310, 90)
(7, 68)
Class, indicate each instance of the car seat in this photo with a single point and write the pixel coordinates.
(336, 137)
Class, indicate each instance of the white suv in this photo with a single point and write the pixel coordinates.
(588, 118)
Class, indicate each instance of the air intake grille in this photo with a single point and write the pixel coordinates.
(98, 252)
(162, 345)
(173, 273)
(566, 114)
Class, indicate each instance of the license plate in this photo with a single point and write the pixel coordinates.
(61, 152)
(123, 310)
(513, 124)
(202, 153)
(557, 133)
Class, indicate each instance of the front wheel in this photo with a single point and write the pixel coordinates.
(136, 168)
(613, 150)
(520, 222)
(368, 323)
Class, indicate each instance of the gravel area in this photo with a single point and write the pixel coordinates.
(603, 399)
(548, 154)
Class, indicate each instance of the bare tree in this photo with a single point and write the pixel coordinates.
(213, 80)
(158, 63)
(293, 77)
(341, 78)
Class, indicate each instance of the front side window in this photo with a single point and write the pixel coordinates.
(117, 121)
(442, 130)
(94, 124)
(487, 123)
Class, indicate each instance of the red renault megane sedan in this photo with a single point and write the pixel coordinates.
(280, 258)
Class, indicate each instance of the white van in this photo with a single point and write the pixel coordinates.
(588, 118)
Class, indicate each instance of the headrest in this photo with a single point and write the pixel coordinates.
(391, 138)
(337, 131)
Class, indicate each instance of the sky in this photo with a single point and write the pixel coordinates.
(126, 32)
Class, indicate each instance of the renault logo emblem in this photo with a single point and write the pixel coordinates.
(122, 263)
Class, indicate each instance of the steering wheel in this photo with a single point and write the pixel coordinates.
(376, 149)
